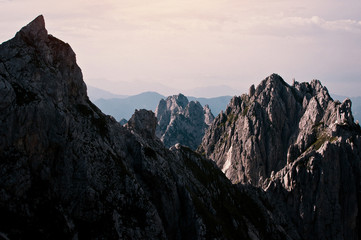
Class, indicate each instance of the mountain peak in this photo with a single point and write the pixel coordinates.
(180, 100)
(33, 49)
(279, 115)
(181, 121)
(35, 30)
(144, 122)
(275, 79)
(287, 140)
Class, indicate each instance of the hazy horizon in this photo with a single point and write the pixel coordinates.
(211, 48)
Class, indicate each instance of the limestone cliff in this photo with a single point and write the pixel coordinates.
(301, 147)
(181, 121)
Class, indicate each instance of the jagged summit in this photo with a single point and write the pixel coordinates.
(143, 122)
(178, 100)
(35, 30)
(277, 115)
(274, 78)
(181, 121)
(173, 103)
(298, 145)
(40, 61)
(67, 171)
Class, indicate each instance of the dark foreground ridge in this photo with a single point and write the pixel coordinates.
(301, 147)
(67, 171)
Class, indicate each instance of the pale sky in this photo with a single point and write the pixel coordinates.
(202, 48)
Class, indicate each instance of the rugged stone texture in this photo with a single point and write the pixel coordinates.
(67, 171)
(144, 122)
(208, 116)
(181, 121)
(300, 146)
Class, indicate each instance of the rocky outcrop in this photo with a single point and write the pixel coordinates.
(181, 121)
(208, 116)
(67, 171)
(143, 122)
(298, 145)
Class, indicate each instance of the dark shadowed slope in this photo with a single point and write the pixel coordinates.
(67, 171)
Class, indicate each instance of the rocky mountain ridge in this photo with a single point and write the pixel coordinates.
(301, 147)
(124, 106)
(181, 121)
(67, 171)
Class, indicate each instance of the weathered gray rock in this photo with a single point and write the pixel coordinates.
(67, 171)
(143, 122)
(301, 147)
(181, 121)
(208, 116)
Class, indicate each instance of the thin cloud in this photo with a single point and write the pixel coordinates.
(185, 43)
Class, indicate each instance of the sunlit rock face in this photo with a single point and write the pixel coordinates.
(67, 171)
(181, 121)
(301, 147)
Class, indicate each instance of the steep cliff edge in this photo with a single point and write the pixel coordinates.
(301, 147)
(181, 121)
(67, 171)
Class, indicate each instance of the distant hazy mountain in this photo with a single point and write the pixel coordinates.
(356, 105)
(124, 107)
(97, 93)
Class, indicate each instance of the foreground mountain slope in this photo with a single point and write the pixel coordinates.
(67, 171)
(181, 121)
(300, 146)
